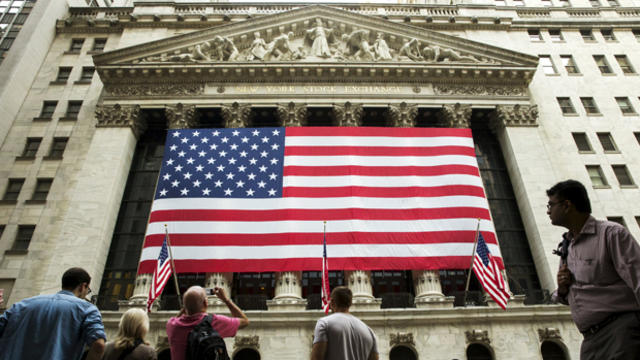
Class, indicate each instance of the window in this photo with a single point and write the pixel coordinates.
(613, 3)
(587, 35)
(555, 35)
(566, 106)
(48, 107)
(23, 237)
(594, 3)
(589, 105)
(76, 45)
(622, 174)
(63, 74)
(596, 175)
(87, 74)
(569, 64)
(99, 44)
(582, 142)
(617, 219)
(606, 140)
(607, 34)
(552, 351)
(547, 65)
(636, 33)
(637, 135)
(42, 189)
(602, 63)
(31, 147)
(13, 189)
(625, 105)
(546, 3)
(637, 220)
(625, 65)
(534, 35)
(73, 108)
(565, 3)
(57, 148)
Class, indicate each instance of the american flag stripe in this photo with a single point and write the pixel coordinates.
(405, 197)
(488, 273)
(161, 272)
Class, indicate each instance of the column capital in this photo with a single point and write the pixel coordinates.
(429, 290)
(514, 115)
(456, 115)
(359, 282)
(121, 116)
(348, 114)
(402, 115)
(180, 116)
(288, 292)
(236, 115)
(292, 114)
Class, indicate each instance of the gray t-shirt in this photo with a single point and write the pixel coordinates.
(347, 337)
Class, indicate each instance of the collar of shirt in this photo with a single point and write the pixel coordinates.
(589, 228)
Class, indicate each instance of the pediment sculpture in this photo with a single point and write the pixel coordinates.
(321, 41)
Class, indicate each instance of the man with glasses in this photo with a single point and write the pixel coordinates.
(599, 276)
(54, 326)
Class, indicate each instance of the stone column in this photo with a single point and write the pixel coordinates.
(348, 114)
(292, 114)
(456, 115)
(288, 292)
(236, 115)
(220, 280)
(402, 115)
(180, 116)
(360, 284)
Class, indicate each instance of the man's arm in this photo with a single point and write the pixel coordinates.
(96, 350)
(233, 308)
(625, 255)
(319, 350)
(373, 356)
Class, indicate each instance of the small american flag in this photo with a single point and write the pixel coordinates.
(486, 269)
(326, 292)
(161, 274)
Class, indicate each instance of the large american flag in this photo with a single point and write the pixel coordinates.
(254, 199)
(161, 274)
(488, 273)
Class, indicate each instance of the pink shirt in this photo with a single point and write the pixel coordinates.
(178, 329)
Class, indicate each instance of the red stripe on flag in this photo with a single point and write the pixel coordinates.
(378, 151)
(382, 192)
(376, 131)
(380, 170)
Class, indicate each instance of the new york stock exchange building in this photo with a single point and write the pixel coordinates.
(89, 91)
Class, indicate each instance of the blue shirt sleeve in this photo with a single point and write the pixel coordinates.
(92, 327)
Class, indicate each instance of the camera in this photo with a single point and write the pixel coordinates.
(210, 291)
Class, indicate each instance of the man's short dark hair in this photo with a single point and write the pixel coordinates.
(342, 296)
(74, 277)
(573, 191)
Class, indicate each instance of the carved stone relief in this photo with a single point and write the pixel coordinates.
(292, 114)
(348, 114)
(252, 341)
(121, 116)
(477, 336)
(456, 115)
(236, 115)
(549, 334)
(402, 115)
(320, 40)
(155, 90)
(180, 116)
(401, 339)
(479, 90)
(518, 115)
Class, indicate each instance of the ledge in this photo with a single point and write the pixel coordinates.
(25, 158)
(8, 202)
(71, 52)
(52, 158)
(35, 202)
(41, 119)
(82, 82)
(16, 252)
(58, 82)
(66, 118)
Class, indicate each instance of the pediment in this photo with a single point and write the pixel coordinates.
(317, 37)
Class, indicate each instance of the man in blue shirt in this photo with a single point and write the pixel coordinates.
(54, 326)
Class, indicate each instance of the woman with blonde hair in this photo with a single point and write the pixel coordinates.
(129, 343)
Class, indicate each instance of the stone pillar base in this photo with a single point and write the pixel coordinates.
(434, 302)
(287, 304)
(366, 303)
(515, 301)
(216, 306)
(136, 302)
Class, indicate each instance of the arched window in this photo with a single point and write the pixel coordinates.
(164, 354)
(402, 353)
(478, 352)
(247, 354)
(552, 351)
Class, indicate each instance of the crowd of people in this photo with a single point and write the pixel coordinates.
(598, 277)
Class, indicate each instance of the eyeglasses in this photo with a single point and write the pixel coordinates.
(551, 204)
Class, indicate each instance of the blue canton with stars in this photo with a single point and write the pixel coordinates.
(222, 163)
(483, 250)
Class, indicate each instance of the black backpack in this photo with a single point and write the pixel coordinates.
(205, 343)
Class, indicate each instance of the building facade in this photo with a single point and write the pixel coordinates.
(549, 89)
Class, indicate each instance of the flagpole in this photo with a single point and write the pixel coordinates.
(173, 266)
(473, 254)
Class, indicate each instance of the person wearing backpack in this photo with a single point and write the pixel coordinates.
(194, 331)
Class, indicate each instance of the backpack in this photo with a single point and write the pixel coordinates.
(204, 342)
